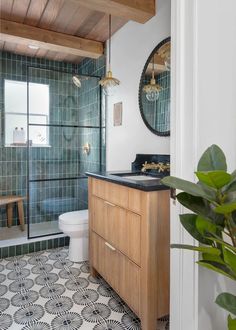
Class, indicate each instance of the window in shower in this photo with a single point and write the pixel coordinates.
(56, 176)
(16, 110)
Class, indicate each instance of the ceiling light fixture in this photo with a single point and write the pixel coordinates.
(109, 83)
(152, 89)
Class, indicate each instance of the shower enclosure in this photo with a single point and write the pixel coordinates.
(66, 138)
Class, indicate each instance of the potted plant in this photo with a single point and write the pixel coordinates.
(212, 221)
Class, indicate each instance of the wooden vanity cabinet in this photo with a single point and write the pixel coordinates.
(130, 246)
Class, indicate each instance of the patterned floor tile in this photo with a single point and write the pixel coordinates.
(46, 291)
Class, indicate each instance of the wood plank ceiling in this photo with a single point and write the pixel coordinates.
(65, 16)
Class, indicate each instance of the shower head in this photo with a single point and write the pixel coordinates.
(76, 81)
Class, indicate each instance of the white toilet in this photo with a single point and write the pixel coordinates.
(75, 225)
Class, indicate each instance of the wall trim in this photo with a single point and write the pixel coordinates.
(184, 155)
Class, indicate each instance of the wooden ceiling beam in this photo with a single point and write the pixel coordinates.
(136, 10)
(49, 40)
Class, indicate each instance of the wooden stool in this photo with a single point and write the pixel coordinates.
(9, 202)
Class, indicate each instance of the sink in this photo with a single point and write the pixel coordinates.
(136, 176)
(139, 177)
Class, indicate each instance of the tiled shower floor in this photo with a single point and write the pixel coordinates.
(36, 229)
(46, 291)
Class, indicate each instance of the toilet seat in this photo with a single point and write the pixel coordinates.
(74, 218)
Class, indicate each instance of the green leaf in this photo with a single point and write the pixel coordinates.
(200, 206)
(202, 249)
(204, 226)
(230, 259)
(231, 187)
(226, 208)
(189, 223)
(234, 217)
(231, 323)
(215, 179)
(227, 301)
(212, 257)
(233, 174)
(218, 268)
(189, 187)
(223, 243)
(212, 159)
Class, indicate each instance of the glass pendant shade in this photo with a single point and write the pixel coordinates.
(152, 89)
(109, 84)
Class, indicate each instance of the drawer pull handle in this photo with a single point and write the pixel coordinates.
(110, 246)
(108, 203)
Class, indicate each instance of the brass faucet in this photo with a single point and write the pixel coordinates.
(161, 167)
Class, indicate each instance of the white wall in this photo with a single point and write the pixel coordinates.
(131, 47)
(216, 120)
(203, 112)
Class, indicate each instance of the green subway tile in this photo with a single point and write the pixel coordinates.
(37, 246)
(25, 248)
(55, 243)
(67, 241)
(61, 242)
(31, 247)
(49, 245)
(19, 250)
(5, 252)
(11, 251)
(44, 245)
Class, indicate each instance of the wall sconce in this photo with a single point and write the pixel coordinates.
(86, 148)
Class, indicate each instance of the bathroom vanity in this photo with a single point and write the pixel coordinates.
(129, 241)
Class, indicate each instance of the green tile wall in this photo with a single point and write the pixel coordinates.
(16, 250)
(65, 157)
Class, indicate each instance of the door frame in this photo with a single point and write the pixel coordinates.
(184, 156)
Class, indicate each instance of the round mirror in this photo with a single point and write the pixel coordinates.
(154, 90)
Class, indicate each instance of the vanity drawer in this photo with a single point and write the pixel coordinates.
(121, 273)
(110, 192)
(128, 198)
(119, 227)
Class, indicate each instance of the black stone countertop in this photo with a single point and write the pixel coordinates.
(117, 177)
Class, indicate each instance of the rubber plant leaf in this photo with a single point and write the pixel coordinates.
(226, 208)
(189, 187)
(200, 206)
(202, 249)
(227, 301)
(231, 323)
(215, 179)
(212, 159)
(231, 187)
(204, 226)
(230, 258)
(218, 268)
(188, 221)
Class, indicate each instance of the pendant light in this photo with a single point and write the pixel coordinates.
(109, 83)
(152, 89)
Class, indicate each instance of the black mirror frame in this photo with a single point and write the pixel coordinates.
(141, 86)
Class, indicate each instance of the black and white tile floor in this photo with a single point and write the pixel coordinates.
(46, 291)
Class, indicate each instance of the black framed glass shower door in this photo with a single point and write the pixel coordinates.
(61, 120)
